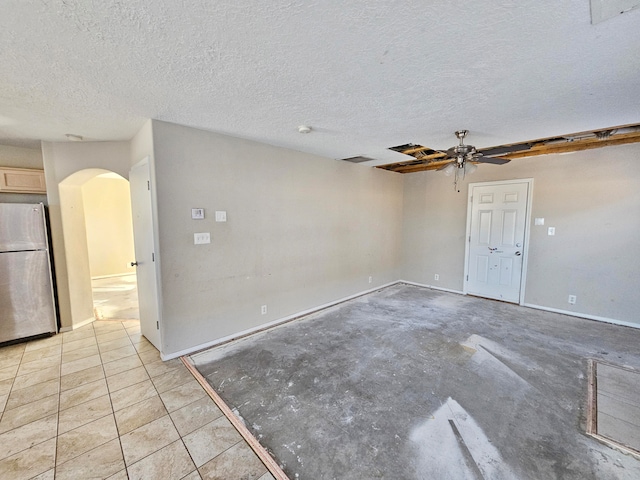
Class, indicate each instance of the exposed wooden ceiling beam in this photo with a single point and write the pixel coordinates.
(576, 145)
(545, 146)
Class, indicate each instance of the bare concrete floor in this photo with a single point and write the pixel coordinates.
(412, 383)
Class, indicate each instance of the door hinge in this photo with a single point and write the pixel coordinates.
(467, 278)
(157, 325)
(148, 185)
(153, 257)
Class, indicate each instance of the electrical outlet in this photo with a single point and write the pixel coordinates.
(572, 299)
(370, 279)
(263, 309)
(436, 277)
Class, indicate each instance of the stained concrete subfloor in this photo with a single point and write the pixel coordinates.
(413, 383)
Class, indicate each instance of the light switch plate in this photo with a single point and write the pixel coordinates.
(551, 231)
(201, 238)
(197, 213)
(221, 216)
(539, 221)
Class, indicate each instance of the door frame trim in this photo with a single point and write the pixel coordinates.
(527, 230)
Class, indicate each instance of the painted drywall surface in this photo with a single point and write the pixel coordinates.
(301, 231)
(107, 208)
(75, 244)
(61, 160)
(592, 198)
(19, 157)
(141, 144)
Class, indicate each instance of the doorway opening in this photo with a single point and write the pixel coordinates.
(96, 218)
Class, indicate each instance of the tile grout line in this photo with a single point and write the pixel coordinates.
(172, 422)
(13, 381)
(55, 455)
(113, 411)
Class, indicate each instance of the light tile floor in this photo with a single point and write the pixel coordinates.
(98, 402)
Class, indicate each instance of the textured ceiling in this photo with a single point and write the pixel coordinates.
(366, 75)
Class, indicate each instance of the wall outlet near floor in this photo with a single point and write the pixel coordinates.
(370, 279)
(263, 309)
(436, 277)
(572, 299)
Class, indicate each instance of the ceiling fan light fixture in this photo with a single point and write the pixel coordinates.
(449, 169)
(469, 168)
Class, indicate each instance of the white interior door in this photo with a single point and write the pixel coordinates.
(496, 239)
(143, 231)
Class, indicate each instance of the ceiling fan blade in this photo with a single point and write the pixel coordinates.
(493, 152)
(495, 161)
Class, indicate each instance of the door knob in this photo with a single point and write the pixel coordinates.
(518, 254)
(134, 264)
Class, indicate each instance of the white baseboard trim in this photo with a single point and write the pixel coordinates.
(431, 286)
(75, 326)
(266, 326)
(583, 315)
(126, 274)
(280, 321)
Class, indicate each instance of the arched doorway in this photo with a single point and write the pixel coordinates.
(98, 236)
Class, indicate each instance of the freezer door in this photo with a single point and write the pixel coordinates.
(26, 299)
(22, 227)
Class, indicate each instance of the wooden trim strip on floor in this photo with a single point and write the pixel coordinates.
(592, 426)
(259, 450)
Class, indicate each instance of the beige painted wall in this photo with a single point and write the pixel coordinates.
(591, 197)
(301, 231)
(19, 157)
(61, 160)
(107, 208)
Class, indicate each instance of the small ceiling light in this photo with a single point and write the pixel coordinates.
(304, 129)
(73, 138)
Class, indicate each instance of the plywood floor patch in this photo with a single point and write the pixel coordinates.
(614, 406)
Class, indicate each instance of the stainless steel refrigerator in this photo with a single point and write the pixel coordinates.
(27, 305)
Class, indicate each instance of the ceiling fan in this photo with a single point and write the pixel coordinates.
(461, 154)
(462, 159)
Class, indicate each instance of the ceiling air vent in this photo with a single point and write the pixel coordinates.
(358, 159)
